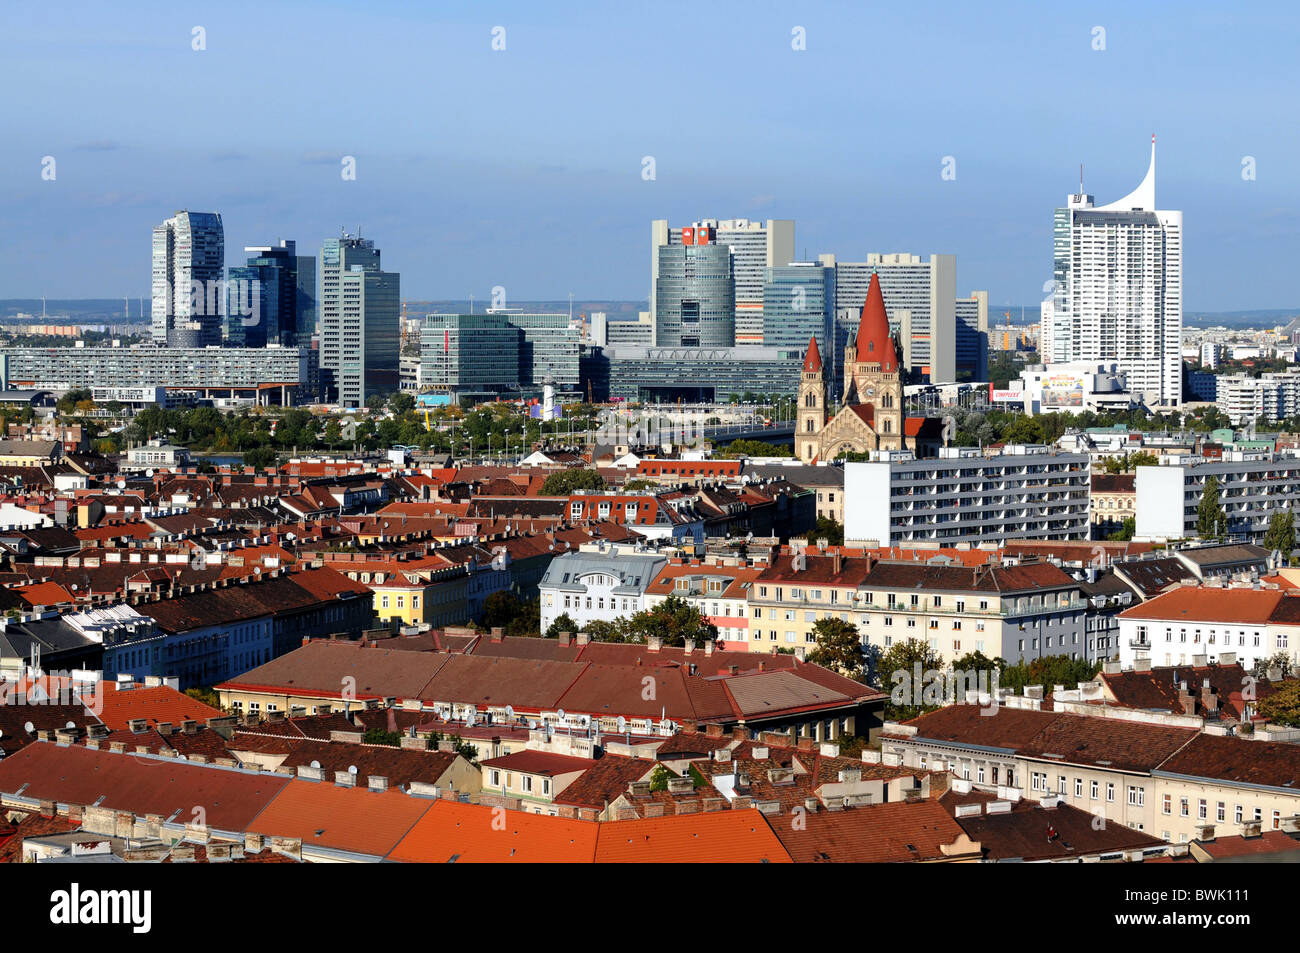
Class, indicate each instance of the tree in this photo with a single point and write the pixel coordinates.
(563, 623)
(1211, 521)
(259, 458)
(754, 448)
(827, 529)
(896, 672)
(839, 647)
(675, 620)
(401, 403)
(1126, 530)
(1282, 707)
(1281, 533)
(378, 736)
(564, 482)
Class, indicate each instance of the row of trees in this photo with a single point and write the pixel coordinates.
(674, 620)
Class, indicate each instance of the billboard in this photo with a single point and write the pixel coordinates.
(1005, 396)
(128, 395)
(1062, 390)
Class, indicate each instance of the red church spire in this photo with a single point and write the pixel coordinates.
(812, 363)
(874, 342)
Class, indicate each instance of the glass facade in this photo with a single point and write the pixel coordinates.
(695, 297)
(360, 330)
(189, 260)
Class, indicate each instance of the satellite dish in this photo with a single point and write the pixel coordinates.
(622, 723)
(315, 764)
(29, 728)
(352, 770)
(532, 725)
(149, 473)
(510, 711)
(121, 484)
(469, 719)
(560, 714)
(71, 724)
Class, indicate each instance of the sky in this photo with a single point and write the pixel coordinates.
(526, 167)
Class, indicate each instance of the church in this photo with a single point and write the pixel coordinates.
(871, 415)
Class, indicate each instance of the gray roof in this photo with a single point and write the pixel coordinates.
(1232, 554)
(805, 475)
(634, 570)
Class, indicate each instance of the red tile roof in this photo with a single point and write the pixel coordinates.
(328, 815)
(478, 834)
(717, 837)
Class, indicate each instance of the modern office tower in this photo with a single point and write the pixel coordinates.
(360, 346)
(921, 298)
(695, 296)
(550, 349)
(469, 355)
(1118, 292)
(973, 337)
(189, 256)
(281, 293)
(798, 304)
(755, 246)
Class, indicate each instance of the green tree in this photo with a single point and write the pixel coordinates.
(1281, 533)
(1282, 707)
(675, 620)
(659, 778)
(378, 736)
(754, 448)
(563, 623)
(827, 529)
(1126, 530)
(839, 647)
(564, 482)
(1211, 521)
(896, 672)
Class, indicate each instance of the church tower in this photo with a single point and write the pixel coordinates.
(812, 405)
(874, 379)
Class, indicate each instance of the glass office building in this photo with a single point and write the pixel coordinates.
(189, 260)
(798, 304)
(695, 297)
(360, 344)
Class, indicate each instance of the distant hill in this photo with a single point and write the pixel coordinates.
(616, 310)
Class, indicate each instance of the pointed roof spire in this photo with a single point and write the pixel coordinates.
(812, 363)
(1144, 196)
(874, 342)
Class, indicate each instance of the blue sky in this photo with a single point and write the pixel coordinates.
(522, 167)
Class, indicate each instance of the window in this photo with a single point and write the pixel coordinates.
(1078, 787)
(1183, 809)
(1237, 814)
(1092, 790)
(1222, 813)
(1202, 811)
(528, 783)
(496, 779)
(1168, 807)
(1136, 796)
(1110, 791)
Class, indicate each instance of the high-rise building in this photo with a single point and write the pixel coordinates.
(695, 297)
(1118, 289)
(921, 298)
(189, 257)
(485, 355)
(798, 304)
(360, 330)
(755, 247)
(286, 312)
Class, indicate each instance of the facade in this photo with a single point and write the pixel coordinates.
(964, 496)
(754, 246)
(1253, 485)
(1114, 499)
(1192, 624)
(798, 304)
(270, 375)
(499, 352)
(719, 589)
(700, 374)
(286, 309)
(189, 257)
(695, 297)
(1269, 397)
(597, 583)
(1118, 294)
(360, 333)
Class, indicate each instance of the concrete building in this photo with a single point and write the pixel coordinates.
(284, 284)
(966, 496)
(1253, 485)
(360, 329)
(1269, 397)
(755, 246)
(500, 352)
(699, 374)
(1118, 289)
(1072, 388)
(189, 257)
(269, 375)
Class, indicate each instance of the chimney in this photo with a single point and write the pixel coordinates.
(837, 562)
(583, 638)
(1205, 833)
(708, 647)
(1209, 698)
(566, 638)
(689, 645)
(654, 643)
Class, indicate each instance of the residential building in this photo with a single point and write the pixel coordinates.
(1118, 289)
(1269, 397)
(1253, 485)
(598, 582)
(1113, 500)
(1192, 623)
(718, 588)
(968, 496)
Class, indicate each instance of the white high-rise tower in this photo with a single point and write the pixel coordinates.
(1118, 289)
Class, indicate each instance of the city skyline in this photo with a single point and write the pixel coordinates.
(461, 215)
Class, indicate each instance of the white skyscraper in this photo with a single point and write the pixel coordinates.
(1118, 289)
